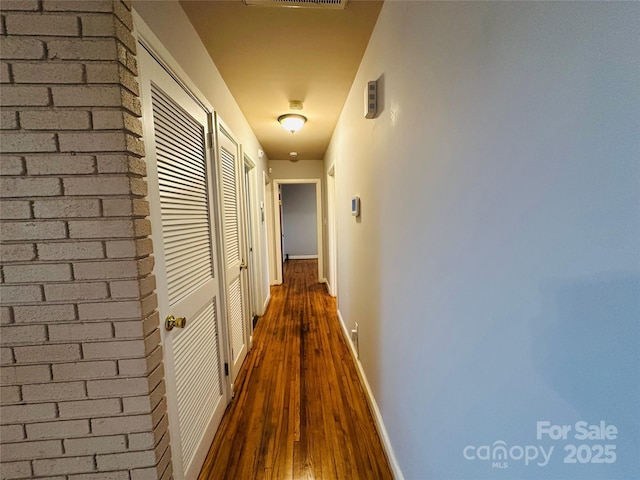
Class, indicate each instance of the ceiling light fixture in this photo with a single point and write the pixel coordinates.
(292, 121)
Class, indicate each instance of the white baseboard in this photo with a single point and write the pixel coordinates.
(329, 289)
(377, 416)
(266, 303)
(302, 257)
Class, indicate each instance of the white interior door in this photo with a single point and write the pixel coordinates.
(235, 258)
(180, 194)
(250, 248)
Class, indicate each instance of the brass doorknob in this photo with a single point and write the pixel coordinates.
(243, 266)
(172, 321)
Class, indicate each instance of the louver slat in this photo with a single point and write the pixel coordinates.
(183, 196)
(197, 397)
(230, 203)
(236, 313)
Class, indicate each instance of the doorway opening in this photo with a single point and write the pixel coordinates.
(280, 224)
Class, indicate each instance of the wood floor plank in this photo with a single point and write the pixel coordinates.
(299, 409)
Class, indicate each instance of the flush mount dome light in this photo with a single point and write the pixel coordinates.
(292, 121)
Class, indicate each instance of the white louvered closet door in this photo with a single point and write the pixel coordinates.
(230, 183)
(180, 194)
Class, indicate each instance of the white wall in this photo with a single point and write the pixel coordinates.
(170, 24)
(495, 271)
(299, 220)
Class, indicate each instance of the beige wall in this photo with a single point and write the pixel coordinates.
(82, 374)
(303, 169)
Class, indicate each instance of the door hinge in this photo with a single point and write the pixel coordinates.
(210, 142)
(226, 369)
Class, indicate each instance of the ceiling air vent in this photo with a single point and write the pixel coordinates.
(325, 4)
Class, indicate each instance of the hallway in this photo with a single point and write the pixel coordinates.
(299, 409)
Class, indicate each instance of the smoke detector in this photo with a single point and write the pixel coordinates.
(293, 156)
(323, 4)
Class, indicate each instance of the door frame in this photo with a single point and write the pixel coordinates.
(250, 209)
(221, 128)
(278, 219)
(332, 233)
(270, 224)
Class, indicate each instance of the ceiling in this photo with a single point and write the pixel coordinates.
(269, 56)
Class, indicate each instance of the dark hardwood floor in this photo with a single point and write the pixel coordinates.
(299, 409)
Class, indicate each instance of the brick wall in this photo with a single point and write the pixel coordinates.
(82, 376)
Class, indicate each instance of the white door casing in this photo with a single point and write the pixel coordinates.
(181, 193)
(253, 241)
(270, 224)
(230, 181)
(278, 225)
(332, 235)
